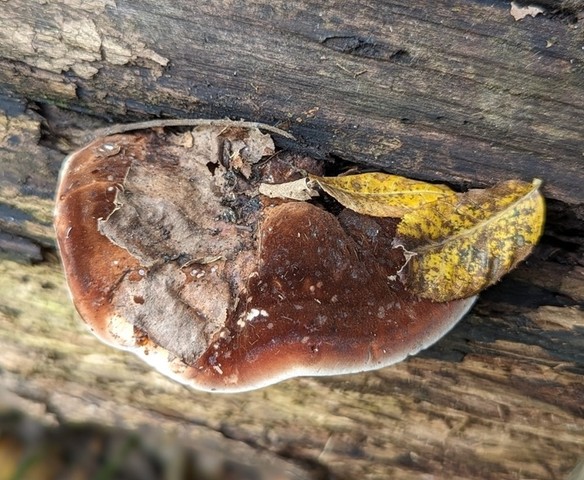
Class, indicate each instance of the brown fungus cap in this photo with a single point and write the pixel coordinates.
(170, 252)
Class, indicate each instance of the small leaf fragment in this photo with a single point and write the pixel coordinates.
(382, 195)
(301, 189)
(465, 243)
(252, 146)
(519, 12)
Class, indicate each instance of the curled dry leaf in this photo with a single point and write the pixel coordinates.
(295, 190)
(171, 252)
(465, 243)
(382, 195)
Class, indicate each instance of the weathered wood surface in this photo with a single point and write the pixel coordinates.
(448, 91)
(453, 90)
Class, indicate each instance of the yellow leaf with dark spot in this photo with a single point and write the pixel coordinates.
(464, 243)
(381, 194)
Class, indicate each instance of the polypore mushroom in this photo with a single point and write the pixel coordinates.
(170, 252)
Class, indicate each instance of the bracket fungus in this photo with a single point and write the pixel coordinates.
(171, 252)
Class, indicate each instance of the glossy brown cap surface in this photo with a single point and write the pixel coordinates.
(170, 252)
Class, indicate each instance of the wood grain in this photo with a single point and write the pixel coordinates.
(448, 91)
(452, 91)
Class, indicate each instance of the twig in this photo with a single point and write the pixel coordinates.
(184, 122)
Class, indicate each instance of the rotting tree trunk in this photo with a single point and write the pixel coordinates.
(456, 92)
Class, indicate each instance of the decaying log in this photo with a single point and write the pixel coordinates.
(455, 92)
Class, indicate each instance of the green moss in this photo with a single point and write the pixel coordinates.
(34, 295)
(39, 209)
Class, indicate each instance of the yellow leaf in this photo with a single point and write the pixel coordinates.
(382, 195)
(463, 244)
